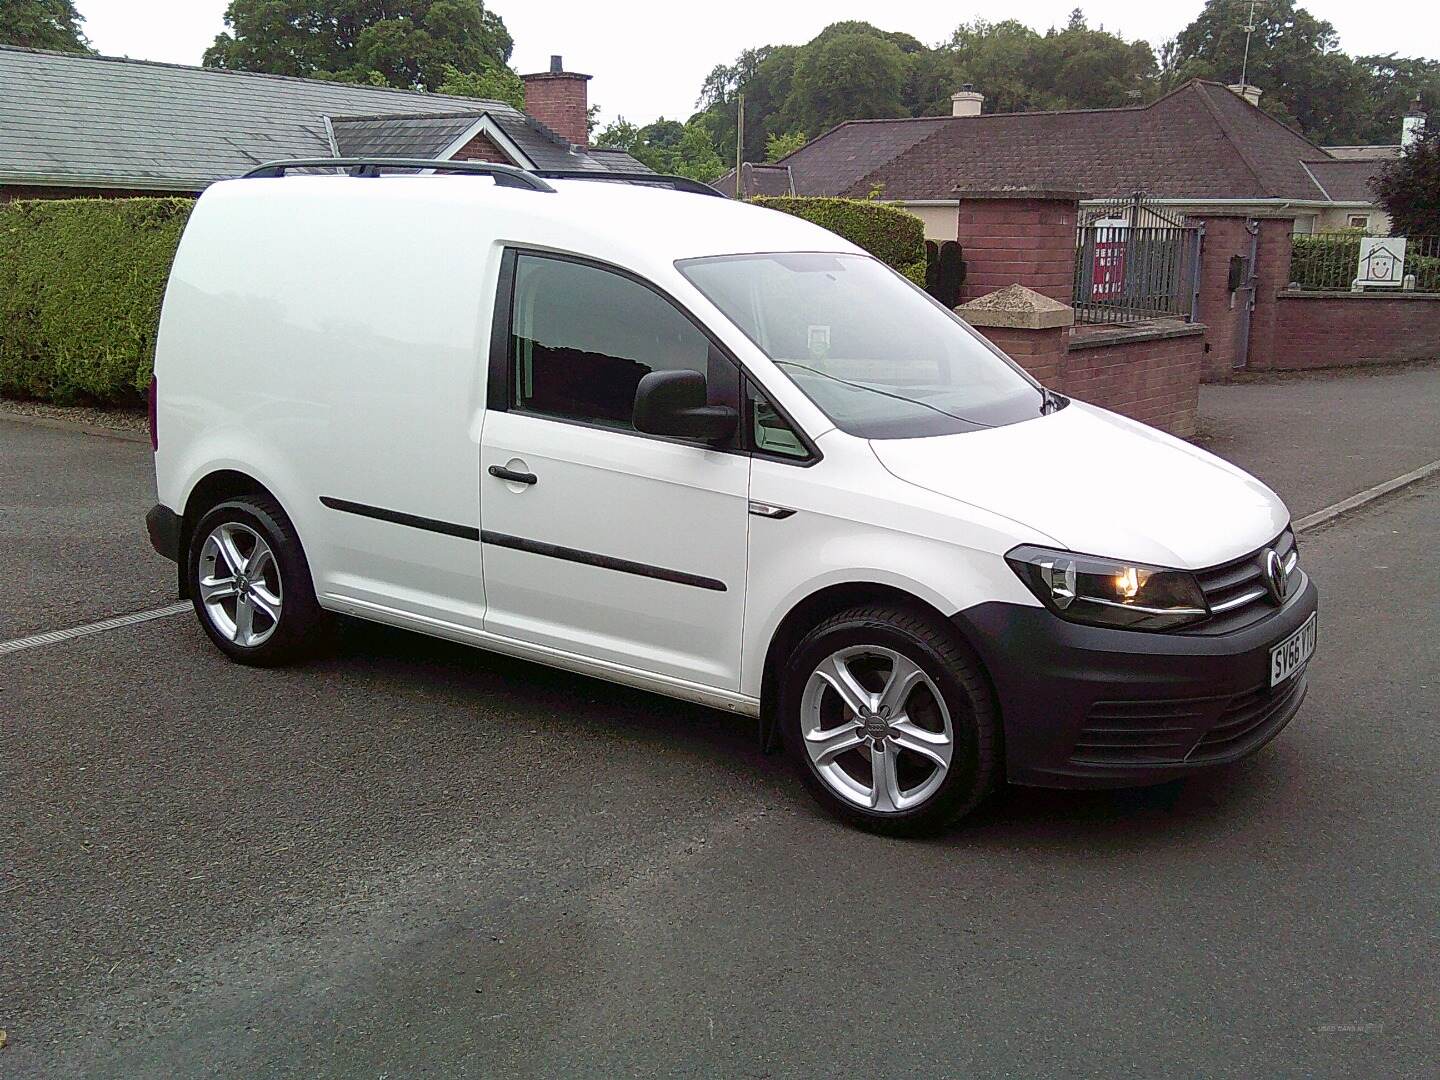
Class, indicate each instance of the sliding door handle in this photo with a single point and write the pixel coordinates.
(512, 476)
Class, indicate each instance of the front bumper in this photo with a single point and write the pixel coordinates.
(1091, 707)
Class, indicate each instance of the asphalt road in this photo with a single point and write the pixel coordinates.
(411, 859)
(1320, 437)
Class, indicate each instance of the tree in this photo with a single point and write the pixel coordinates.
(667, 146)
(497, 82)
(1294, 58)
(849, 76)
(408, 44)
(1409, 187)
(778, 146)
(42, 24)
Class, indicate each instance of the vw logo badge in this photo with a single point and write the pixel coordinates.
(1277, 581)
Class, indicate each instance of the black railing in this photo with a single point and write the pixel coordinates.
(1331, 261)
(1126, 273)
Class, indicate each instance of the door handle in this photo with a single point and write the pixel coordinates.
(502, 473)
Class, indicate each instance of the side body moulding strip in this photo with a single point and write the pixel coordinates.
(396, 517)
(605, 562)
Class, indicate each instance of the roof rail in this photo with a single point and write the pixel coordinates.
(503, 175)
(679, 183)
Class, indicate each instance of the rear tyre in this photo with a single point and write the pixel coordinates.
(889, 720)
(250, 583)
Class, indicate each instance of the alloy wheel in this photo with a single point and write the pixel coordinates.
(876, 728)
(240, 584)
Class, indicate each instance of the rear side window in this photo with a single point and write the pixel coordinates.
(581, 339)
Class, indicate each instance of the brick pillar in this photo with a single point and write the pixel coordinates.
(1221, 309)
(1272, 274)
(559, 100)
(1030, 328)
(1022, 236)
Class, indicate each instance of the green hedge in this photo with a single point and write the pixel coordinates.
(81, 282)
(1331, 261)
(894, 236)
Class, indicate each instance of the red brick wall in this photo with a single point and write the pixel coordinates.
(1151, 375)
(1040, 352)
(1146, 376)
(1220, 309)
(1030, 241)
(560, 101)
(1272, 274)
(1314, 330)
(481, 148)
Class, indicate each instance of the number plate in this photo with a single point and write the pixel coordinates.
(1290, 655)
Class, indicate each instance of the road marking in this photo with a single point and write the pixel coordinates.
(1369, 495)
(55, 637)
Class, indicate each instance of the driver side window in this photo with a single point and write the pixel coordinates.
(582, 338)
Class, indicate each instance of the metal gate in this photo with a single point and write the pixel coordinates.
(1135, 262)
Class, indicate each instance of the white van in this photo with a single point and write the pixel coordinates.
(714, 451)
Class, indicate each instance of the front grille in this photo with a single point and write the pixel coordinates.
(1236, 591)
(1181, 730)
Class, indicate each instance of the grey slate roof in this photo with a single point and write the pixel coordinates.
(618, 160)
(90, 121)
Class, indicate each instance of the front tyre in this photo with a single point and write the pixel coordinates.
(890, 721)
(250, 583)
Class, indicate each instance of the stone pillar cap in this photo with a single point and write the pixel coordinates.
(1018, 307)
(1047, 193)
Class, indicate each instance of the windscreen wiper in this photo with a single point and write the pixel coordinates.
(882, 393)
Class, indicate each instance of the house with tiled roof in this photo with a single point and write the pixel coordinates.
(1202, 147)
(74, 125)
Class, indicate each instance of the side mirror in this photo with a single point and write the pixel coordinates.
(674, 403)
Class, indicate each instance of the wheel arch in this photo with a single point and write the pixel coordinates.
(813, 609)
(213, 488)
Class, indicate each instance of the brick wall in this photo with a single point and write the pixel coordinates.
(481, 148)
(1220, 309)
(1149, 373)
(1313, 330)
(560, 101)
(1020, 237)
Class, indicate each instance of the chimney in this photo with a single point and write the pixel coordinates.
(966, 102)
(1413, 126)
(1248, 92)
(559, 100)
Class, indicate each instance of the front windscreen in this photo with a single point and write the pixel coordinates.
(876, 355)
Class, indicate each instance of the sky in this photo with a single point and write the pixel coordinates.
(649, 57)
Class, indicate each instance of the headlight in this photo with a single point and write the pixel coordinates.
(1107, 592)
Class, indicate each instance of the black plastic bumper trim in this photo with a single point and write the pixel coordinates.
(163, 525)
(396, 517)
(605, 562)
(1048, 673)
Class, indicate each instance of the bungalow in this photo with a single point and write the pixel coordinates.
(1203, 147)
(98, 125)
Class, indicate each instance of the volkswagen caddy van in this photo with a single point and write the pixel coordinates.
(691, 445)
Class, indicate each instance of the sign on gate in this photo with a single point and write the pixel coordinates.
(1107, 268)
(1382, 261)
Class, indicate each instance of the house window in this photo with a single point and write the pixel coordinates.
(1359, 221)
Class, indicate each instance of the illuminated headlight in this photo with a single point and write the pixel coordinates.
(1106, 592)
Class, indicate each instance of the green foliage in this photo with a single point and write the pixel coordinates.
(846, 76)
(1409, 187)
(855, 71)
(81, 282)
(409, 43)
(42, 24)
(498, 82)
(779, 146)
(1331, 260)
(896, 237)
(667, 146)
